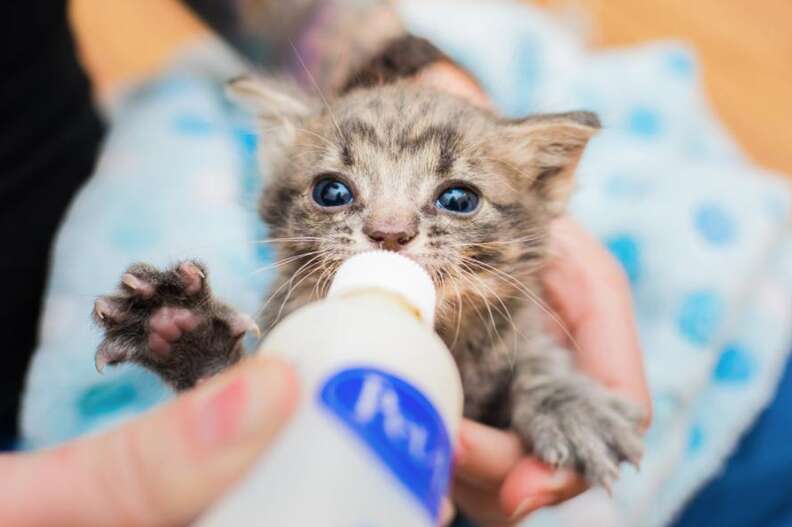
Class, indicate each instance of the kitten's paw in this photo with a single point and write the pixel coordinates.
(582, 427)
(168, 322)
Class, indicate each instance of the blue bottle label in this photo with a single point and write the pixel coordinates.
(399, 424)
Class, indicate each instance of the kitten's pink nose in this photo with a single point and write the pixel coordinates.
(391, 239)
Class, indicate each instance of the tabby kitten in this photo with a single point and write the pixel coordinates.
(387, 164)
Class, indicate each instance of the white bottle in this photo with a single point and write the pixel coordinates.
(370, 444)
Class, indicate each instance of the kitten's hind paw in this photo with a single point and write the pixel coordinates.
(585, 428)
(168, 322)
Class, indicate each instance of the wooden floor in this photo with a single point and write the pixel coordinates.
(745, 47)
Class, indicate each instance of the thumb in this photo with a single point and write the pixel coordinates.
(532, 485)
(162, 469)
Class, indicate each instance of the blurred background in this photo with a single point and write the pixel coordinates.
(745, 48)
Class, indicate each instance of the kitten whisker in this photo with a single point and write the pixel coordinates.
(318, 90)
(505, 313)
(493, 326)
(285, 261)
(537, 237)
(327, 141)
(286, 283)
(459, 316)
(315, 289)
(533, 297)
(311, 270)
(286, 240)
(327, 275)
(505, 310)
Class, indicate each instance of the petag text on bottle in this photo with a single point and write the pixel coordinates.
(399, 424)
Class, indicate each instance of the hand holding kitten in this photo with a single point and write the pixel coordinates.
(496, 482)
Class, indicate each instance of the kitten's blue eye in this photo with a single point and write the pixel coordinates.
(461, 200)
(331, 192)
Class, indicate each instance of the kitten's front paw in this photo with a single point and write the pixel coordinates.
(168, 322)
(582, 427)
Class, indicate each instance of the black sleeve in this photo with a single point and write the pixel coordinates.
(49, 135)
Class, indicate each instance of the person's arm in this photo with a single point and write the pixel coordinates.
(161, 469)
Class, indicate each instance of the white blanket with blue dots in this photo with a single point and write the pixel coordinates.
(701, 232)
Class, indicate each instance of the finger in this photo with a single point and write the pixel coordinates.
(162, 469)
(447, 513)
(482, 508)
(450, 78)
(589, 290)
(532, 485)
(486, 455)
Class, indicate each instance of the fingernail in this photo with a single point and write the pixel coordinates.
(559, 480)
(525, 506)
(447, 512)
(531, 504)
(257, 395)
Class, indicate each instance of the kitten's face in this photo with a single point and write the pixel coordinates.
(466, 194)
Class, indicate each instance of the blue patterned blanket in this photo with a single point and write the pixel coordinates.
(702, 233)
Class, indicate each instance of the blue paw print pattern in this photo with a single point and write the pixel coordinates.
(715, 225)
(695, 439)
(106, 398)
(735, 365)
(626, 249)
(700, 316)
(129, 393)
(644, 122)
(680, 63)
(247, 140)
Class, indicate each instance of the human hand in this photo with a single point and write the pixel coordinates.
(161, 469)
(496, 483)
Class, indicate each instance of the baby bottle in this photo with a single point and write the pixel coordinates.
(371, 442)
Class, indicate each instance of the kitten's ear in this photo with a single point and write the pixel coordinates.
(547, 148)
(271, 99)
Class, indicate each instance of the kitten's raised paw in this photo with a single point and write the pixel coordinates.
(168, 322)
(584, 428)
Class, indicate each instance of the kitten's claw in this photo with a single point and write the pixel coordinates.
(583, 427)
(137, 286)
(242, 324)
(105, 312)
(607, 484)
(108, 353)
(100, 362)
(192, 276)
(102, 359)
(101, 308)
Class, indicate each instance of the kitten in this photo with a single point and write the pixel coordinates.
(468, 194)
